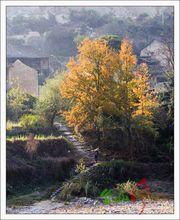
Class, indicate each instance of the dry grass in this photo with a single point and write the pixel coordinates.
(38, 162)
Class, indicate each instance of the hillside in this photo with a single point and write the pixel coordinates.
(55, 31)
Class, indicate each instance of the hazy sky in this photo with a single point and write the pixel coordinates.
(118, 11)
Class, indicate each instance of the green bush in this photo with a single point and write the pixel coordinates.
(92, 181)
(29, 121)
(11, 125)
(18, 103)
(127, 188)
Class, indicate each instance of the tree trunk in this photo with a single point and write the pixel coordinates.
(52, 119)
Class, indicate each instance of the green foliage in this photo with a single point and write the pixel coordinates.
(19, 103)
(113, 41)
(15, 103)
(164, 118)
(11, 125)
(113, 195)
(29, 121)
(170, 98)
(106, 195)
(95, 179)
(50, 103)
(107, 175)
(58, 40)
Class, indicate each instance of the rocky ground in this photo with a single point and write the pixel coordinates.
(91, 206)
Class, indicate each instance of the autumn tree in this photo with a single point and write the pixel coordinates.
(124, 83)
(146, 99)
(89, 83)
(102, 83)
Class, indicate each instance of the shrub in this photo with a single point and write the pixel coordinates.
(18, 103)
(79, 186)
(54, 169)
(108, 175)
(96, 178)
(29, 121)
(40, 131)
(11, 125)
(81, 166)
(128, 188)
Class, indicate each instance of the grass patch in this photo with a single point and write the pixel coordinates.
(30, 195)
(37, 137)
(15, 130)
(28, 199)
(51, 162)
(11, 125)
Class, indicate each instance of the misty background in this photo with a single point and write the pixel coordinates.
(54, 32)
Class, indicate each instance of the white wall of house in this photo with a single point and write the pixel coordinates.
(24, 77)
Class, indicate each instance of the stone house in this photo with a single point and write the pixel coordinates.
(154, 57)
(41, 64)
(23, 76)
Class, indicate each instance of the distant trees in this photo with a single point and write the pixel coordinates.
(60, 41)
(57, 38)
(90, 17)
(103, 84)
(113, 41)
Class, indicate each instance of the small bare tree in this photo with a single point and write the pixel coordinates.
(31, 146)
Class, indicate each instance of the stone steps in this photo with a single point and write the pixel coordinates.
(80, 146)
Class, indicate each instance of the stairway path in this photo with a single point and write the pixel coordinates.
(82, 150)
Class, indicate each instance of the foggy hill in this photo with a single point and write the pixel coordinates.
(55, 31)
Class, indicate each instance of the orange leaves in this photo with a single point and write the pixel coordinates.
(146, 100)
(102, 79)
(88, 81)
(126, 57)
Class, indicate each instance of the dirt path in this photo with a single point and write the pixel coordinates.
(91, 206)
(83, 205)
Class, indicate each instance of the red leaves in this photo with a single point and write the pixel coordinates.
(146, 189)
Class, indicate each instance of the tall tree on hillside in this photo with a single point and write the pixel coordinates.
(146, 100)
(102, 84)
(50, 102)
(127, 62)
(88, 83)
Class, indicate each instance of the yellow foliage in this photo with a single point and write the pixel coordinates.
(88, 81)
(127, 60)
(102, 81)
(146, 98)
